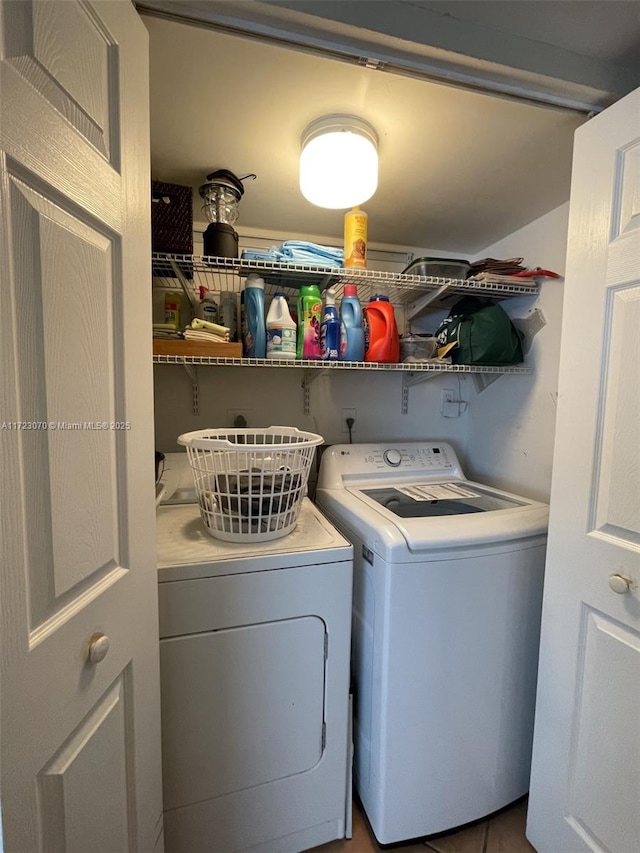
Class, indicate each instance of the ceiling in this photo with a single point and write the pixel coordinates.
(459, 169)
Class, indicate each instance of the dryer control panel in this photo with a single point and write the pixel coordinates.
(392, 461)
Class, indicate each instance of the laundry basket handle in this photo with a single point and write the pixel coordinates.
(216, 439)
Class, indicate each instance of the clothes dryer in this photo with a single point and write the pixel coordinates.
(254, 655)
(446, 614)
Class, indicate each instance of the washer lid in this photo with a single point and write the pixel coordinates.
(434, 529)
(429, 500)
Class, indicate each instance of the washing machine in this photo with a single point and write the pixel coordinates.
(448, 579)
(254, 655)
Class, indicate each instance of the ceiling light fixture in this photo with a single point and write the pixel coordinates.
(339, 162)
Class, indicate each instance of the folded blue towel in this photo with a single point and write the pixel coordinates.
(302, 248)
(261, 255)
(297, 252)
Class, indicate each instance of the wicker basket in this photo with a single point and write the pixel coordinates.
(250, 482)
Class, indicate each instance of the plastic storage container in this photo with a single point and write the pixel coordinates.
(418, 346)
(330, 329)
(281, 329)
(254, 336)
(309, 322)
(250, 482)
(381, 332)
(438, 267)
(351, 328)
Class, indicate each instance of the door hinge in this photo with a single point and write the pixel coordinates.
(326, 646)
(324, 737)
(375, 64)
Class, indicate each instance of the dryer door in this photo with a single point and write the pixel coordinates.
(241, 707)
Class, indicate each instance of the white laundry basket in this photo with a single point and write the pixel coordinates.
(250, 482)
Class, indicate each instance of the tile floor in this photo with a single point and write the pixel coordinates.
(503, 833)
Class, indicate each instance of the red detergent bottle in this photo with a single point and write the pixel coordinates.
(381, 340)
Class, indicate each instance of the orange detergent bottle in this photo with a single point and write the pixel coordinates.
(381, 339)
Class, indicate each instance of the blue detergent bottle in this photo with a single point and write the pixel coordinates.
(330, 328)
(254, 335)
(351, 326)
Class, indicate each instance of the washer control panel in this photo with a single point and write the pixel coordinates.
(406, 458)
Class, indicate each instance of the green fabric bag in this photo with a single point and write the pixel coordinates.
(479, 331)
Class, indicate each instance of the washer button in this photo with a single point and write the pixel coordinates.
(392, 457)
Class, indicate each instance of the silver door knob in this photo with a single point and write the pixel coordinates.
(98, 647)
(619, 584)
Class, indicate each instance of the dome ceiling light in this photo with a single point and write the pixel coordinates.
(339, 162)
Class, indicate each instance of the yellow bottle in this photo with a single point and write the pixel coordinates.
(355, 238)
(172, 304)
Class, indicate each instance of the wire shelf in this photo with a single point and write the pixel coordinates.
(308, 364)
(220, 274)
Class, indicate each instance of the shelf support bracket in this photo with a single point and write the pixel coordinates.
(308, 376)
(192, 373)
(483, 380)
(416, 308)
(410, 379)
(184, 283)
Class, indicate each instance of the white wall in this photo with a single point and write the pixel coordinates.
(512, 422)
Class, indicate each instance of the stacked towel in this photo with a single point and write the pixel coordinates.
(166, 331)
(297, 252)
(495, 266)
(203, 330)
(301, 252)
(201, 335)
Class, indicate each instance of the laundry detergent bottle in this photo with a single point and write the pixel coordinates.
(281, 329)
(207, 308)
(254, 342)
(309, 322)
(382, 343)
(330, 329)
(351, 328)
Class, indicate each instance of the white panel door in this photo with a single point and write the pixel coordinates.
(80, 721)
(585, 785)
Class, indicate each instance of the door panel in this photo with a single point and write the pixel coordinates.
(77, 812)
(618, 451)
(64, 51)
(602, 805)
(626, 213)
(65, 337)
(81, 765)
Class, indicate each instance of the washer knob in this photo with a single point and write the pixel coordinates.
(98, 647)
(619, 584)
(392, 457)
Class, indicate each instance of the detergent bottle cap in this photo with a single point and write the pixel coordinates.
(330, 296)
(350, 290)
(379, 297)
(203, 290)
(254, 280)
